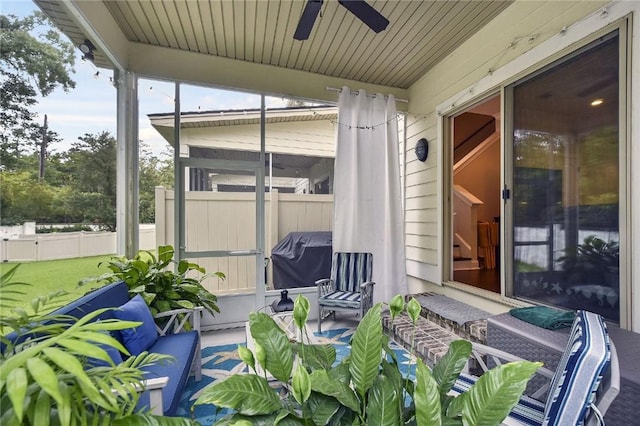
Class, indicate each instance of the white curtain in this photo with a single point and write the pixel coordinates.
(368, 205)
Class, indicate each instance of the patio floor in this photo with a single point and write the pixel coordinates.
(431, 340)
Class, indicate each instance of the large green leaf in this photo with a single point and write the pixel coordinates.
(322, 408)
(448, 368)
(426, 397)
(281, 419)
(366, 350)
(382, 406)
(17, 390)
(341, 372)
(322, 383)
(316, 356)
(275, 343)
(71, 364)
(42, 410)
(46, 377)
(392, 373)
(490, 400)
(248, 394)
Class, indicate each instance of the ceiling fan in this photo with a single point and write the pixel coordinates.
(360, 8)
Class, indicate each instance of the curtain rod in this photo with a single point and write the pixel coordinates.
(355, 92)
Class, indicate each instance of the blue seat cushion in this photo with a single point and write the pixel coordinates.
(341, 299)
(182, 346)
(527, 411)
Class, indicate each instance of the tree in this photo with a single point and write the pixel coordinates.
(91, 162)
(34, 59)
(154, 172)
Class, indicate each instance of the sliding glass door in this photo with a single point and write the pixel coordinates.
(565, 181)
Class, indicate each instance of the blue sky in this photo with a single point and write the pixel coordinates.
(91, 106)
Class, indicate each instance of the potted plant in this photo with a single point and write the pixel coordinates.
(56, 370)
(594, 261)
(163, 283)
(366, 387)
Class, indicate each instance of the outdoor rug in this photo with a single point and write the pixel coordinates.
(219, 362)
(451, 309)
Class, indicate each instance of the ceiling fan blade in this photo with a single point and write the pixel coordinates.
(308, 18)
(366, 14)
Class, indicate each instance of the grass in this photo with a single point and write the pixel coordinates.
(49, 276)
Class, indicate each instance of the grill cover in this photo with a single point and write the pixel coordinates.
(301, 258)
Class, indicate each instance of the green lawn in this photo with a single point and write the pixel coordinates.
(48, 276)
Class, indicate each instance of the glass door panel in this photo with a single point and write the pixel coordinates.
(565, 188)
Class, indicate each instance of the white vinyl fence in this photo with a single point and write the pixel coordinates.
(227, 221)
(66, 245)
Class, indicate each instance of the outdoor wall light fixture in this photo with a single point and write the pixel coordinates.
(87, 48)
(422, 149)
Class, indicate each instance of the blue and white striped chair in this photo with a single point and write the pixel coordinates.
(350, 287)
(580, 391)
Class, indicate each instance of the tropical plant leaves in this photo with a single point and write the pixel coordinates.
(496, 392)
(322, 408)
(426, 397)
(382, 406)
(366, 350)
(315, 356)
(247, 394)
(322, 383)
(448, 368)
(275, 343)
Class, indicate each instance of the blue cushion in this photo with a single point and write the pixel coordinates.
(349, 270)
(341, 299)
(183, 347)
(138, 339)
(579, 372)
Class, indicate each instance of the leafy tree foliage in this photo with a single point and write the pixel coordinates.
(80, 185)
(34, 59)
(154, 172)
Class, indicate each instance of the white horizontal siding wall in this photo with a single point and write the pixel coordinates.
(454, 81)
(314, 138)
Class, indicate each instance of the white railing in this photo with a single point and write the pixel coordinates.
(465, 223)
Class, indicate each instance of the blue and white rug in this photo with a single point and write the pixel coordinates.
(220, 362)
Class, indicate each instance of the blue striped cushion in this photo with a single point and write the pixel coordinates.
(527, 411)
(341, 299)
(579, 372)
(349, 270)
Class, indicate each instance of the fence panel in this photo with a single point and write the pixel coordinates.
(227, 221)
(23, 250)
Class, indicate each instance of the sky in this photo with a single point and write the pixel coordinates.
(91, 106)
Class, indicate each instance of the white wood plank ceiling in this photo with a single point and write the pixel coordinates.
(420, 33)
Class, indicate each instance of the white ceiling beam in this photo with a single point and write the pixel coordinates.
(173, 64)
(94, 19)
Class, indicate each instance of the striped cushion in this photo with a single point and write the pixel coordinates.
(341, 299)
(579, 372)
(527, 411)
(349, 270)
